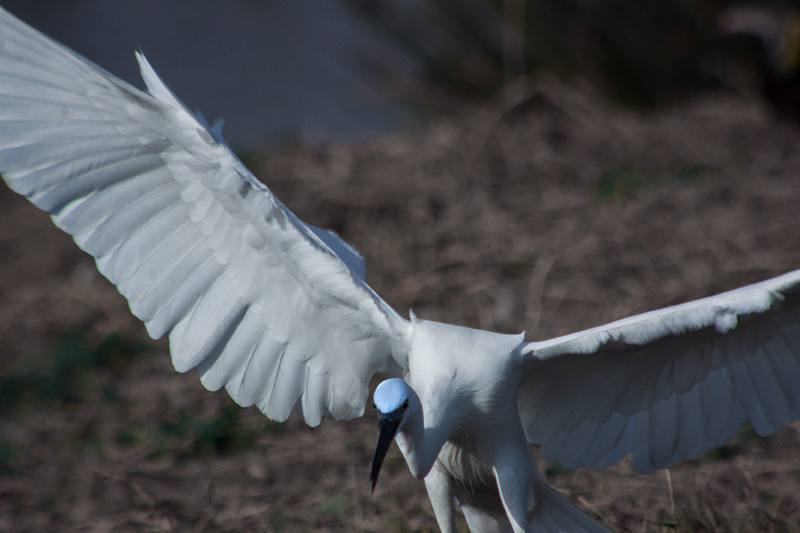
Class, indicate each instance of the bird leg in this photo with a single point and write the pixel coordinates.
(514, 486)
(440, 492)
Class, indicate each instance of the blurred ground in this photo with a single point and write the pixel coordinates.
(549, 210)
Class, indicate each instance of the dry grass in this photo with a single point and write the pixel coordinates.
(549, 212)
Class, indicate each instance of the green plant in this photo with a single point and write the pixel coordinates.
(68, 373)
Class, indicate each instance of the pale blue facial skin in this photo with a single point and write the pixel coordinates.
(390, 395)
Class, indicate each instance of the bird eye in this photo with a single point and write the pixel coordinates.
(405, 405)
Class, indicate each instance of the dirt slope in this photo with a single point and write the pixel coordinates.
(550, 212)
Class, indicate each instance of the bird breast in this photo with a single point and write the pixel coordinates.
(461, 460)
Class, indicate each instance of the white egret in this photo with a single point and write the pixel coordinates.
(278, 312)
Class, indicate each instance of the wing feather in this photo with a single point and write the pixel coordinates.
(257, 378)
(274, 310)
(669, 384)
(663, 424)
(232, 357)
(145, 241)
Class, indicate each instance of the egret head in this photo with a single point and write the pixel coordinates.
(395, 401)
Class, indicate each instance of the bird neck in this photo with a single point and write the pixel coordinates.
(421, 444)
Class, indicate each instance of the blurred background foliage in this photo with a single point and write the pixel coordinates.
(352, 70)
(641, 54)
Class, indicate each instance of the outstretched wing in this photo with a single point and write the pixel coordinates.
(669, 384)
(272, 309)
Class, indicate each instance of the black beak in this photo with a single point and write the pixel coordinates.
(387, 427)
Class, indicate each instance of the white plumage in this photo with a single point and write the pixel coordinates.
(278, 312)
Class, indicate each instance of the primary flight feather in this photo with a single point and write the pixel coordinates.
(278, 312)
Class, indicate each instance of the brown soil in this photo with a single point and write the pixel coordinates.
(549, 212)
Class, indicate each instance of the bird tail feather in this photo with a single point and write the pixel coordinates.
(556, 514)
